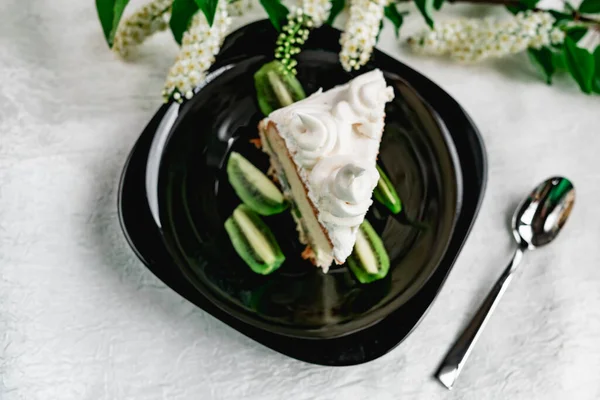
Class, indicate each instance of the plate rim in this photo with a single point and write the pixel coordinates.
(483, 180)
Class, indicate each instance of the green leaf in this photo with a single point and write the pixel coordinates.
(577, 32)
(426, 7)
(543, 59)
(530, 4)
(514, 9)
(569, 7)
(558, 59)
(209, 8)
(276, 11)
(110, 12)
(522, 5)
(560, 16)
(379, 31)
(589, 7)
(437, 4)
(580, 64)
(391, 13)
(336, 7)
(596, 81)
(182, 12)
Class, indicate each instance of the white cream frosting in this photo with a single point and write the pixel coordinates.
(334, 138)
(343, 187)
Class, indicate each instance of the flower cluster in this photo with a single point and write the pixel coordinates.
(199, 46)
(292, 37)
(149, 19)
(239, 7)
(360, 35)
(318, 10)
(472, 40)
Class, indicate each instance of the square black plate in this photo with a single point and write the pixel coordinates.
(174, 179)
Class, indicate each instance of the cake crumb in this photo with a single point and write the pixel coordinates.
(256, 142)
(308, 254)
(272, 173)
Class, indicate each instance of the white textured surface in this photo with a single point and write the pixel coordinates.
(81, 318)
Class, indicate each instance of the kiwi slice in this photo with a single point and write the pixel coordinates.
(386, 194)
(253, 241)
(276, 87)
(253, 187)
(369, 261)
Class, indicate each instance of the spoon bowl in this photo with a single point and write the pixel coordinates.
(541, 216)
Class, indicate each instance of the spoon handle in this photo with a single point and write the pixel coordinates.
(458, 354)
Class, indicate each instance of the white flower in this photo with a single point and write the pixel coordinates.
(540, 40)
(199, 46)
(520, 44)
(149, 19)
(239, 7)
(360, 34)
(546, 19)
(472, 40)
(318, 10)
(557, 36)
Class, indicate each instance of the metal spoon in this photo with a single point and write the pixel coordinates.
(536, 222)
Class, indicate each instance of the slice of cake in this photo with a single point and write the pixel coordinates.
(323, 151)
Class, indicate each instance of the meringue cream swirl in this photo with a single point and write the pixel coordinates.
(367, 95)
(315, 133)
(343, 187)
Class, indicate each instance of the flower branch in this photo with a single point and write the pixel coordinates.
(554, 39)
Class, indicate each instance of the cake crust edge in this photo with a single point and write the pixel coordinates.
(308, 253)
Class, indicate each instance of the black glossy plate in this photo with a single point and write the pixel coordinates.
(176, 179)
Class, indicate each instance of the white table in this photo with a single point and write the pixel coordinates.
(82, 318)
